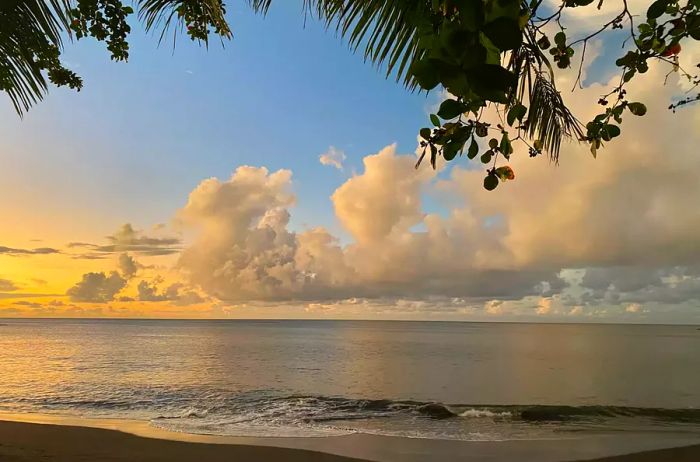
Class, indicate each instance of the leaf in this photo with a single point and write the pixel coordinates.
(560, 39)
(490, 182)
(656, 9)
(491, 81)
(425, 133)
(425, 74)
(504, 32)
(637, 109)
(612, 130)
(505, 173)
(516, 112)
(469, 14)
(473, 149)
(435, 120)
(451, 108)
(493, 142)
(450, 150)
(505, 146)
(486, 157)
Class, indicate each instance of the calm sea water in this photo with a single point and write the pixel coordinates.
(467, 381)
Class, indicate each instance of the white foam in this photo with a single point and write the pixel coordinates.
(480, 413)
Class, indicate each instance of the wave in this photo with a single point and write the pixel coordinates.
(326, 409)
(268, 413)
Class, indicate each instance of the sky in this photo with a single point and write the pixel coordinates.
(274, 177)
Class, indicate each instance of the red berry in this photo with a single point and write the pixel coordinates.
(672, 50)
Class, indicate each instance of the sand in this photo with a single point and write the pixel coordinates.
(30, 442)
(26, 442)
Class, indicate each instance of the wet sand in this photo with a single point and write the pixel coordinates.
(46, 442)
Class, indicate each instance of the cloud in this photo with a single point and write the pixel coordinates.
(127, 239)
(587, 238)
(7, 286)
(97, 287)
(384, 199)
(127, 265)
(544, 306)
(23, 252)
(244, 250)
(333, 157)
(149, 292)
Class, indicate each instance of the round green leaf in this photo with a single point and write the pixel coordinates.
(637, 109)
(451, 108)
(516, 112)
(656, 9)
(490, 182)
(504, 32)
(560, 39)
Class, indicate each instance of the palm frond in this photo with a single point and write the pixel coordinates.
(27, 29)
(548, 119)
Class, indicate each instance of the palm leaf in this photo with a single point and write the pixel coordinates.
(26, 27)
(549, 120)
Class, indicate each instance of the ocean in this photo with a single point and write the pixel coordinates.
(437, 380)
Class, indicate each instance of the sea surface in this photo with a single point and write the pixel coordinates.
(438, 380)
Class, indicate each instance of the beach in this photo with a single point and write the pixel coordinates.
(29, 442)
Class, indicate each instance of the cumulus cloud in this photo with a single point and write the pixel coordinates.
(587, 238)
(97, 287)
(149, 292)
(245, 251)
(334, 157)
(127, 265)
(568, 240)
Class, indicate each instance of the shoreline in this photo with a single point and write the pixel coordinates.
(67, 438)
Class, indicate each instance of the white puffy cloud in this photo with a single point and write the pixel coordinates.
(245, 251)
(385, 199)
(587, 238)
(334, 157)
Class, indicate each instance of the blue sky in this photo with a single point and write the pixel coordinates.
(279, 94)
